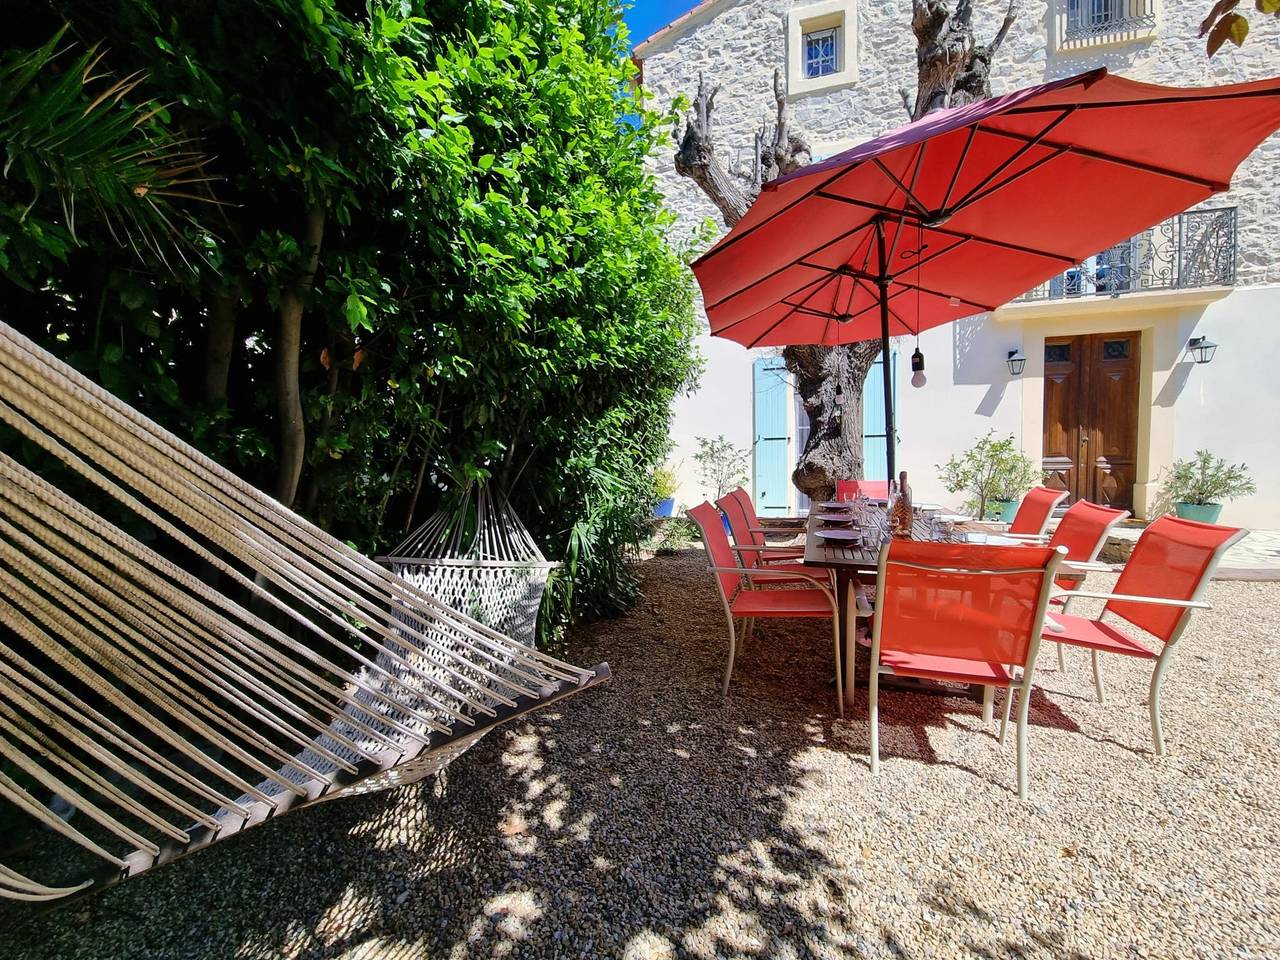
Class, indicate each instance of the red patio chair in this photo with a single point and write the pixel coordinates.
(1083, 530)
(753, 521)
(874, 489)
(1034, 512)
(816, 598)
(749, 542)
(1164, 580)
(965, 613)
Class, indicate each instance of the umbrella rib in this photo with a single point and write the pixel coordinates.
(970, 199)
(939, 293)
(902, 186)
(964, 155)
(786, 316)
(1215, 185)
(798, 261)
(929, 259)
(1150, 101)
(1014, 158)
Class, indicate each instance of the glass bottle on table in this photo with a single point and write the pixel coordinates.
(900, 515)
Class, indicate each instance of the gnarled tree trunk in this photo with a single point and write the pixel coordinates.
(952, 70)
(293, 299)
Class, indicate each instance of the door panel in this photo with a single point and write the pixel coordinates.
(1061, 414)
(1091, 416)
(1113, 418)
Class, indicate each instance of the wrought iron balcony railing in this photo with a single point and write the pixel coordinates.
(1094, 19)
(1193, 249)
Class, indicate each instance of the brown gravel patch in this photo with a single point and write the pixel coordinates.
(652, 818)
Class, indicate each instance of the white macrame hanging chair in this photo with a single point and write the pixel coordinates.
(167, 714)
(475, 555)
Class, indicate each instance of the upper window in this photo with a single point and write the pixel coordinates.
(1086, 23)
(822, 52)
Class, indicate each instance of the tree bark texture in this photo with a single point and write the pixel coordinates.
(293, 432)
(951, 70)
(219, 345)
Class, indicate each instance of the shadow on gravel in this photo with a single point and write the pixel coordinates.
(649, 818)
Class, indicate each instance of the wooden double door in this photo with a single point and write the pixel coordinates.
(1091, 416)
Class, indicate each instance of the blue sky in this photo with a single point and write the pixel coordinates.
(648, 16)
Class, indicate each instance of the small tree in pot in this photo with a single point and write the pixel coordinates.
(993, 473)
(664, 490)
(1197, 488)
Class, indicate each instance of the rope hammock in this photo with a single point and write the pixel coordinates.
(171, 714)
(475, 555)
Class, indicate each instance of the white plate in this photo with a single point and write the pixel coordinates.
(954, 518)
(839, 534)
(834, 517)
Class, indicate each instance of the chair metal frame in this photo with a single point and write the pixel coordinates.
(745, 575)
(1036, 628)
(1195, 602)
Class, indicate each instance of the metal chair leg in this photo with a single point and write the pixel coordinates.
(835, 637)
(1097, 676)
(1062, 661)
(1024, 703)
(1157, 730)
(1008, 702)
(873, 712)
(728, 670)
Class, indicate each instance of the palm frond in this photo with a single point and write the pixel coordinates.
(68, 126)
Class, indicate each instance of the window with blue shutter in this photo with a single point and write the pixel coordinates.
(873, 432)
(771, 469)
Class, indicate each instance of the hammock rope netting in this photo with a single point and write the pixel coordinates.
(476, 555)
(170, 710)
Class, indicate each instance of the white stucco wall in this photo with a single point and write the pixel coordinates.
(1225, 406)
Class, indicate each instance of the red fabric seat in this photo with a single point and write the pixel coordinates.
(781, 603)
(1096, 635)
(944, 668)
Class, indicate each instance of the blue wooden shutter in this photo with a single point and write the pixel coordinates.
(770, 482)
(873, 432)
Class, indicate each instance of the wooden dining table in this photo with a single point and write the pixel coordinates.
(855, 563)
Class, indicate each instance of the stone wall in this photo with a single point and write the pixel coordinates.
(739, 47)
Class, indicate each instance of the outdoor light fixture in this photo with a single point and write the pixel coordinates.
(1016, 362)
(917, 369)
(1202, 349)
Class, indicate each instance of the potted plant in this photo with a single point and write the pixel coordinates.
(664, 488)
(994, 474)
(1197, 488)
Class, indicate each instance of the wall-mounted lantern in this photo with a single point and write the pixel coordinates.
(1016, 362)
(1202, 349)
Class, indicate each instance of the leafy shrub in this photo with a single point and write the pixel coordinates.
(991, 469)
(1205, 479)
(491, 292)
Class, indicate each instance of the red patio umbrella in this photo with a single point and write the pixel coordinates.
(965, 209)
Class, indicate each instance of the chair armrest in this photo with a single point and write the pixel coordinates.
(1128, 598)
(822, 582)
(753, 548)
(1092, 566)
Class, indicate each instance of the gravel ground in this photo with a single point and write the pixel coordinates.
(651, 818)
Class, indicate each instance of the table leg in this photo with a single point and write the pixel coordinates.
(848, 645)
(988, 700)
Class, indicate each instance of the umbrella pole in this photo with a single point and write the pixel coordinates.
(890, 441)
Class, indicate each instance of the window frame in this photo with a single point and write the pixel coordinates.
(841, 16)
